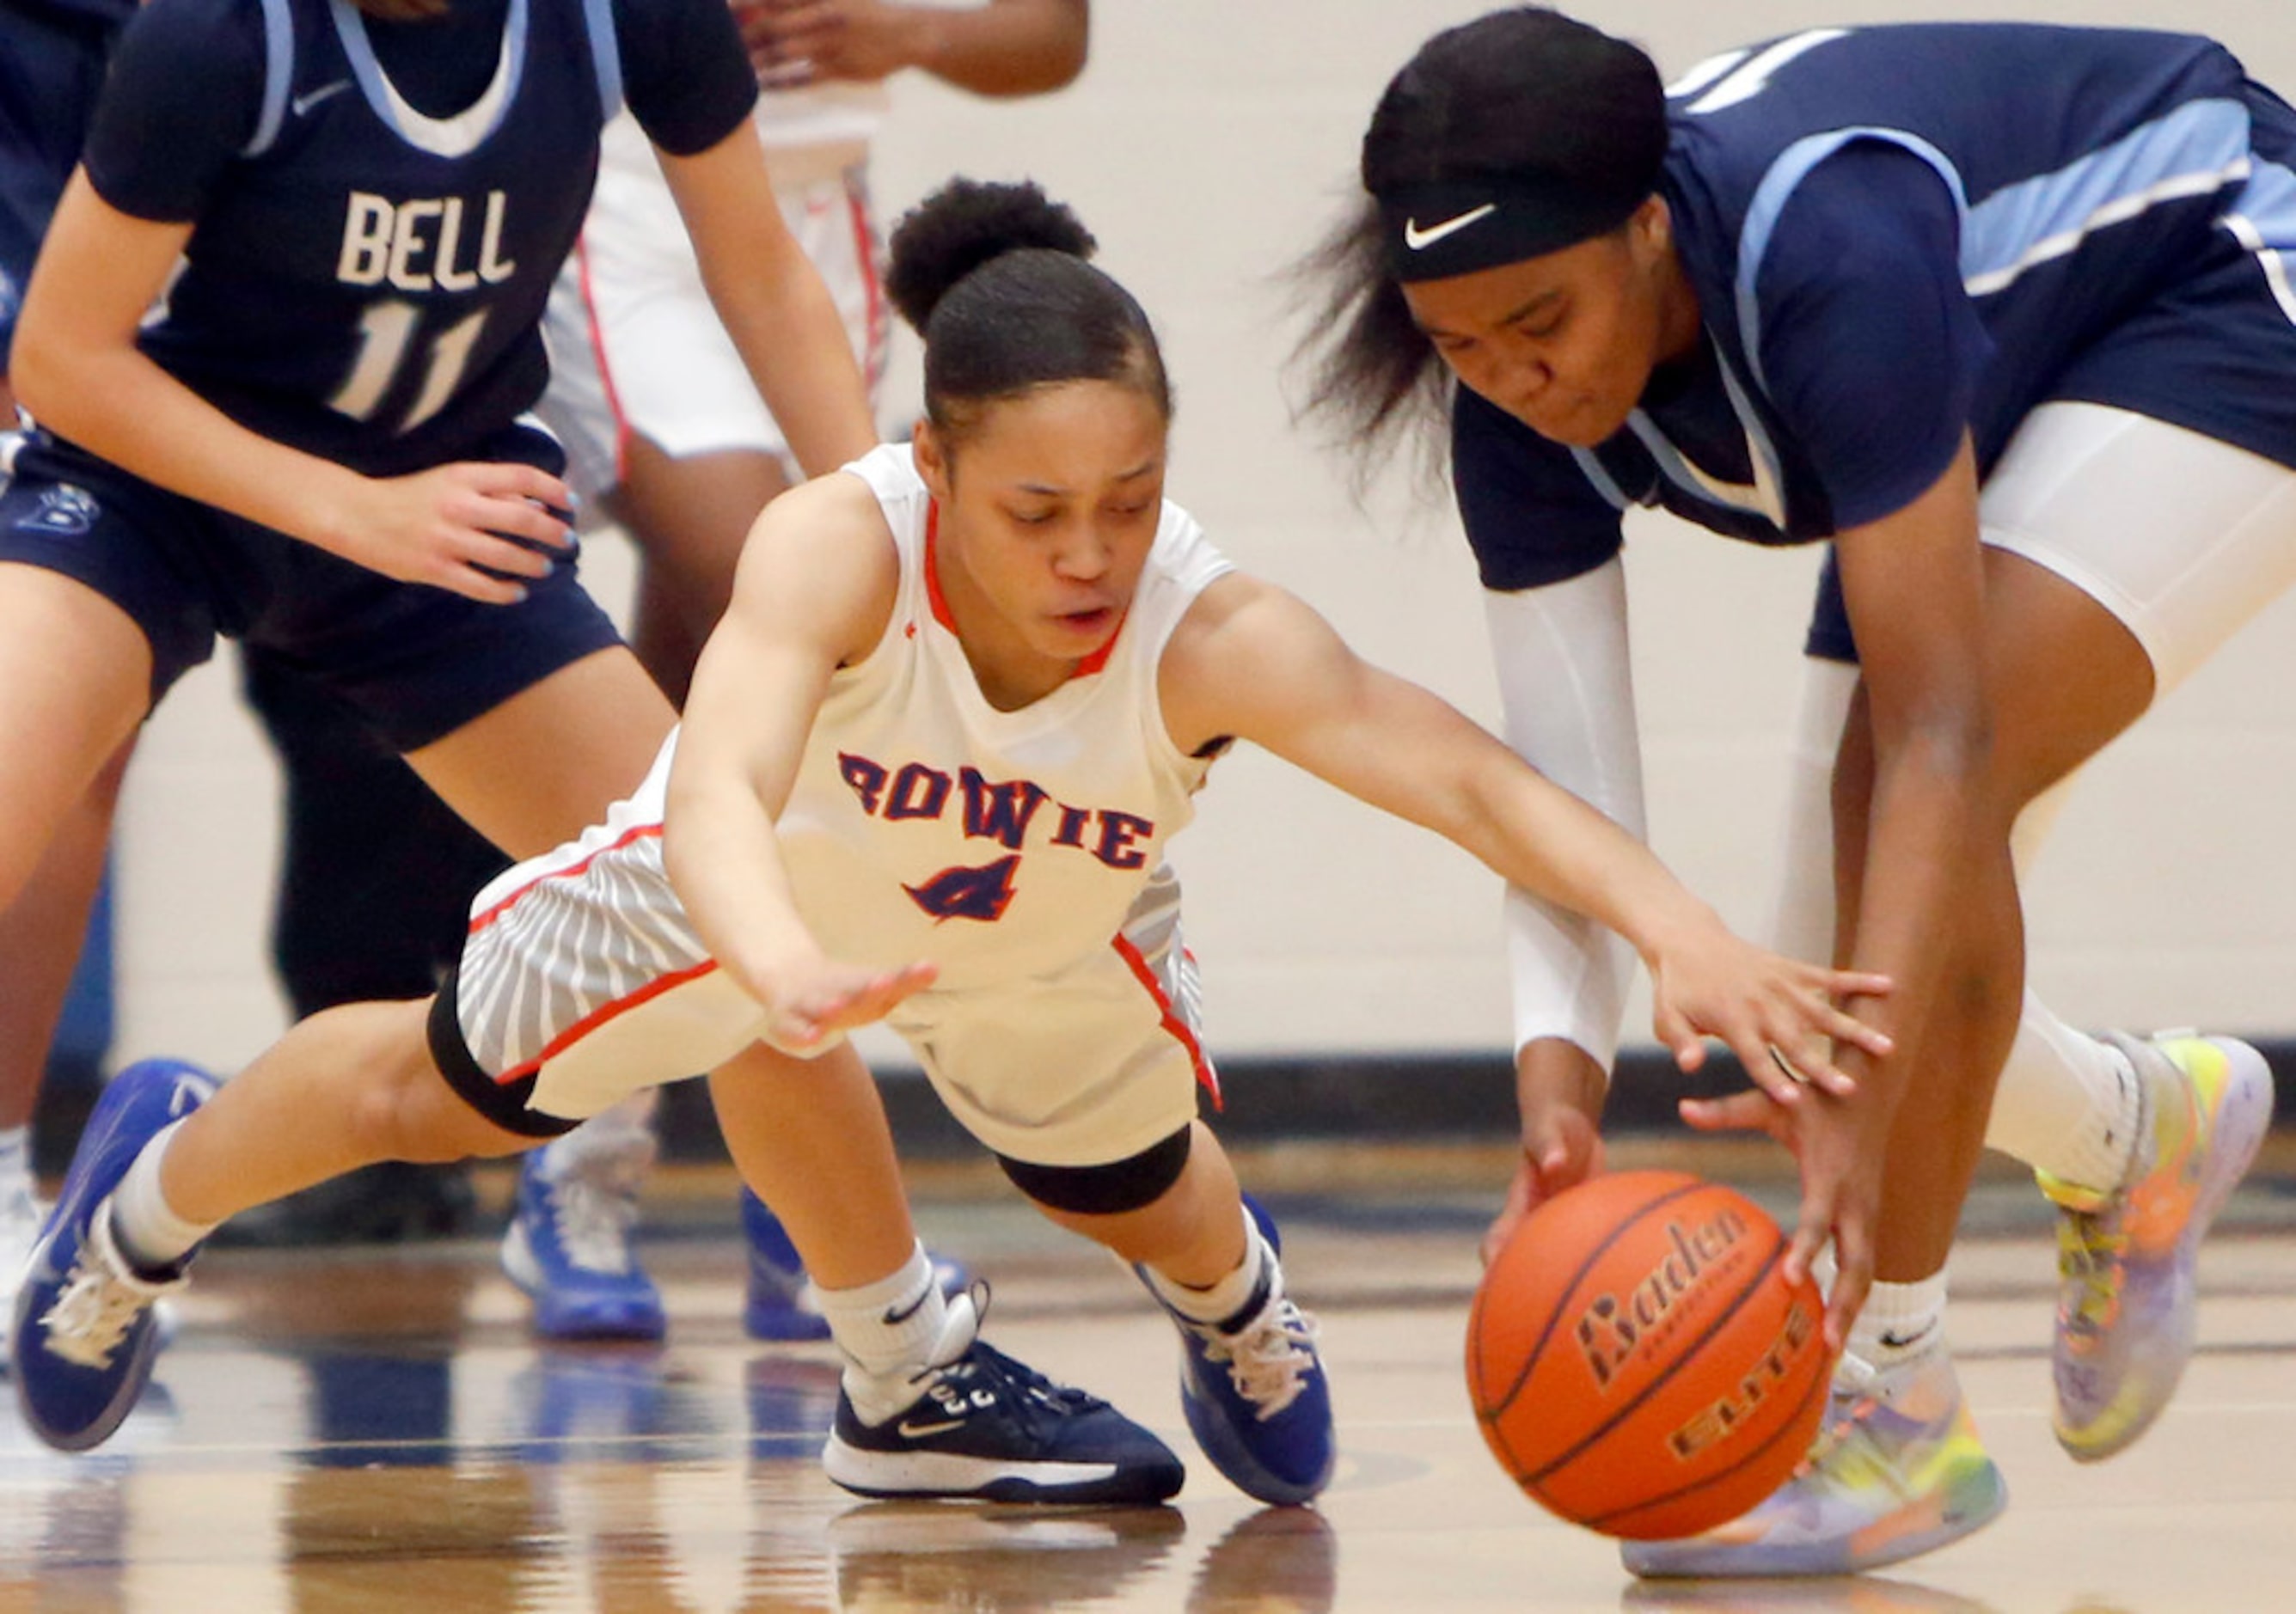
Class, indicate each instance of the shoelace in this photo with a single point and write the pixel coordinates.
(2090, 1248)
(593, 1220)
(1014, 1388)
(1268, 1362)
(92, 1317)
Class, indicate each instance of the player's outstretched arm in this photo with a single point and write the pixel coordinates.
(1256, 662)
(772, 300)
(814, 591)
(1005, 47)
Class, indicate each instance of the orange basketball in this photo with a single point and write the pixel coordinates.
(1638, 1361)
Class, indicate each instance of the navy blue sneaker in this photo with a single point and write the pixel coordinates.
(85, 1334)
(779, 1303)
(989, 1429)
(1254, 1391)
(568, 1244)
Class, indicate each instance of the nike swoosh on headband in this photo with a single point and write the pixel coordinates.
(1419, 240)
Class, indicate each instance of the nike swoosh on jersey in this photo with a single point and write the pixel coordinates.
(304, 103)
(1419, 240)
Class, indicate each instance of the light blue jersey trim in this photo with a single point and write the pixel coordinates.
(450, 137)
(2197, 149)
(606, 54)
(1777, 187)
(2263, 219)
(1766, 498)
(278, 75)
(1600, 478)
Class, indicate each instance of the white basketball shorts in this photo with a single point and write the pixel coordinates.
(635, 345)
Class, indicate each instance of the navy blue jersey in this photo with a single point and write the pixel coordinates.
(361, 281)
(51, 69)
(1900, 234)
(104, 14)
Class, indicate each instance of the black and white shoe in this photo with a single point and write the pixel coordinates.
(990, 1428)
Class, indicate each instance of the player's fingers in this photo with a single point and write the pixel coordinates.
(1753, 1112)
(526, 523)
(507, 479)
(1523, 1194)
(1844, 1027)
(1770, 1069)
(462, 577)
(1855, 983)
(500, 553)
(1853, 1255)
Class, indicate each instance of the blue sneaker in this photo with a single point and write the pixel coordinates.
(1254, 1389)
(569, 1242)
(85, 1335)
(989, 1429)
(780, 1304)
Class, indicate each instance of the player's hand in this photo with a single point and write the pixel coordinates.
(1841, 1146)
(476, 528)
(1562, 1104)
(808, 1003)
(795, 42)
(1781, 1017)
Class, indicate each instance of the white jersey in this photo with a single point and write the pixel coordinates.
(1022, 852)
(926, 824)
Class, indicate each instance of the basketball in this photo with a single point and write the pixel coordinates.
(1638, 1363)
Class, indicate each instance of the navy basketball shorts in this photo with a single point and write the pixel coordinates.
(415, 661)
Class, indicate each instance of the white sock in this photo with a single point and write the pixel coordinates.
(2068, 1104)
(886, 1330)
(149, 1233)
(1230, 1300)
(1900, 1323)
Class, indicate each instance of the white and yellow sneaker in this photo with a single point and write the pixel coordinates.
(1897, 1471)
(2126, 1296)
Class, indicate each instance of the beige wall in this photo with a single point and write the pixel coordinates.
(1207, 143)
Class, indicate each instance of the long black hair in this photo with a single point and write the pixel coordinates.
(994, 278)
(1523, 97)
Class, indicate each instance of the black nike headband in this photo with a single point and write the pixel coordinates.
(1456, 226)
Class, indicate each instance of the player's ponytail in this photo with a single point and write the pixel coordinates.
(994, 278)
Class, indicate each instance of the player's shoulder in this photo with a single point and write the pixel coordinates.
(828, 510)
(191, 40)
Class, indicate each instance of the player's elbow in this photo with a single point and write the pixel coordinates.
(38, 373)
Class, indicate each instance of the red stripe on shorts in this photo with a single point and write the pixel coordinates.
(1206, 1077)
(480, 921)
(597, 330)
(598, 1017)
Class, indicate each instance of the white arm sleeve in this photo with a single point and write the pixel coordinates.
(1570, 704)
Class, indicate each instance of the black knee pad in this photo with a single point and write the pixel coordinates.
(503, 1103)
(1131, 1183)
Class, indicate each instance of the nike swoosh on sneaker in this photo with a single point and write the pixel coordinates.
(919, 1431)
(1419, 240)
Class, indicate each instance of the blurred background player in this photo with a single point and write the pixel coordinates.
(80, 541)
(52, 61)
(664, 432)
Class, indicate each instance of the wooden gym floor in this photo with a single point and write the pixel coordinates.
(374, 1430)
